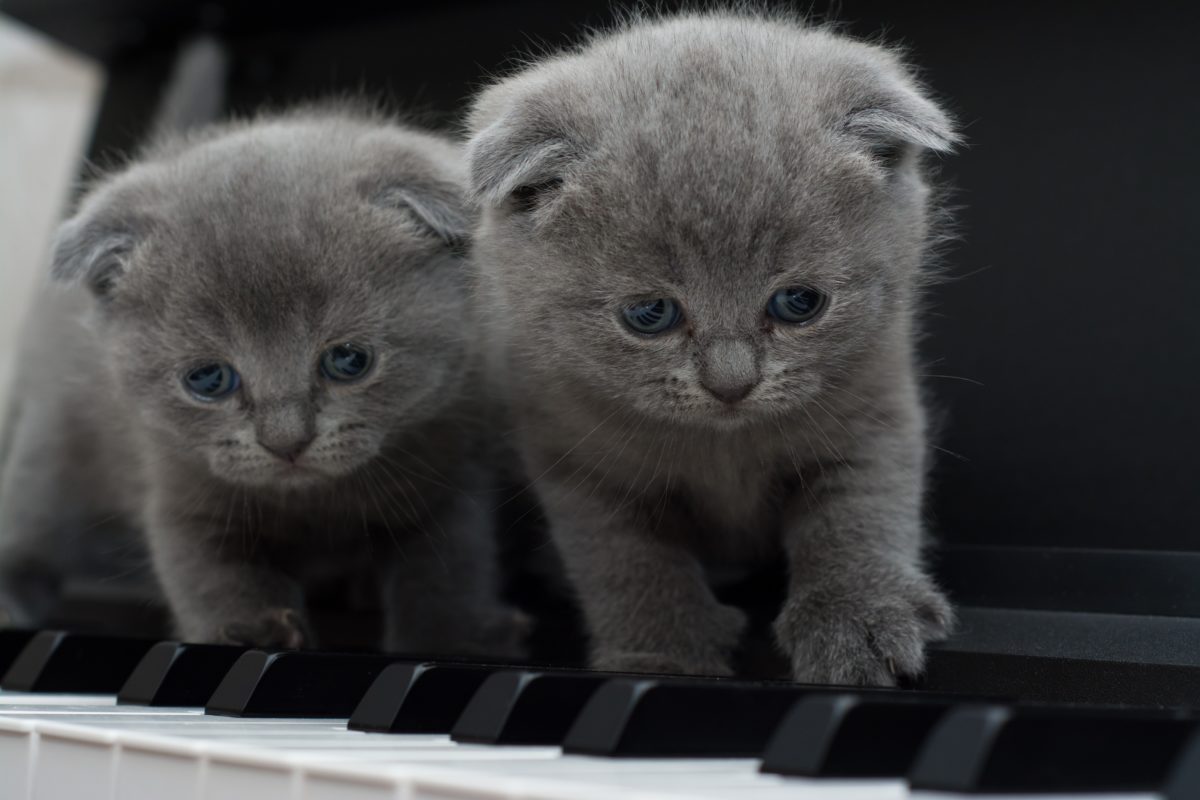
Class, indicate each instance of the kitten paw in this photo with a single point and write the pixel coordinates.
(275, 628)
(496, 633)
(863, 635)
(505, 633)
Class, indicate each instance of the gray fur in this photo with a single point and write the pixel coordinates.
(262, 244)
(715, 158)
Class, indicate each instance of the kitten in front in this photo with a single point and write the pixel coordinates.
(701, 246)
(265, 360)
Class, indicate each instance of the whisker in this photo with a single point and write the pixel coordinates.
(962, 378)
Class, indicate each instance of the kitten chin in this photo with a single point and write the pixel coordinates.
(702, 240)
(276, 346)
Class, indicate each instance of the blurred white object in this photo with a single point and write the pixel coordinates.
(48, 100)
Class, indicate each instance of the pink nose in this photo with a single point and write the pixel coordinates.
(730, 393)
(287, 451)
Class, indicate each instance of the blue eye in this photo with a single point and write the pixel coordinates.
(797, 304)
(653, 316)
(346, 362)
(212, 381)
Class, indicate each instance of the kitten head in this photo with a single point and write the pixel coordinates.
(711, 218)
(280, 297)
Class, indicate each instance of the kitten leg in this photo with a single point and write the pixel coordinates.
(646, 600)
(35, 518)
(441, 590)
(216, 591)
(860, 606)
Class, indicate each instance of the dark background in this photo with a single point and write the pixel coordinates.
(1064, 347)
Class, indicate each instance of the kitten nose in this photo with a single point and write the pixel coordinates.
(288, 450)
(731, 393)
(729, 370)
(286, 428)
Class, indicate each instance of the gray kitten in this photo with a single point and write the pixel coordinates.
(267, 361)
(701, 246)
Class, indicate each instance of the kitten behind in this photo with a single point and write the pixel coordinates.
(701, 244)
(267, 363)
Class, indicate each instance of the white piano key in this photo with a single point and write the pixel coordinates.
(478, 754)
(17, 742)
(73, 761)
(586, 765)
(85, 715)
(248, 775)
(328, 782)
(695, 777)
(452, 784)
(351, 787)
(11, 699)
(135, 753)
(156, 767)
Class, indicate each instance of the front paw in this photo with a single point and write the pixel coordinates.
(274, 628)
(702, 646)
(865, 635)
(501, 634)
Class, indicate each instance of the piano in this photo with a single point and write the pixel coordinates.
(116, 718)
(1062, 353)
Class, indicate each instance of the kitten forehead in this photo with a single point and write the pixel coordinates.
(291, 167)
(710, 64)
(721, 149)
(291, 203)
(251, 238)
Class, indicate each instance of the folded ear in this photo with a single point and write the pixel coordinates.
(510, 158)
(437, 206)
(902, 118)
(92, 251)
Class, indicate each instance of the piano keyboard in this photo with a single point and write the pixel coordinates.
(88, 717)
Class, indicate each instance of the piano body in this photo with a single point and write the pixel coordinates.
(1062, 351)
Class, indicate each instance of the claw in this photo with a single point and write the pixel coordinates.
(891, 665)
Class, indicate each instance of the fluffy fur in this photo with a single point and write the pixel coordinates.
(714, 159)
(263, 244)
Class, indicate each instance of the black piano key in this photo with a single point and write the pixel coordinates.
(848, 735)
(12, 642)
(296, 684)
(178, 674)
(1036, 656)
(70, 663)
(418, 698)
(514, 707)
(999, 749)
(715, 718)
